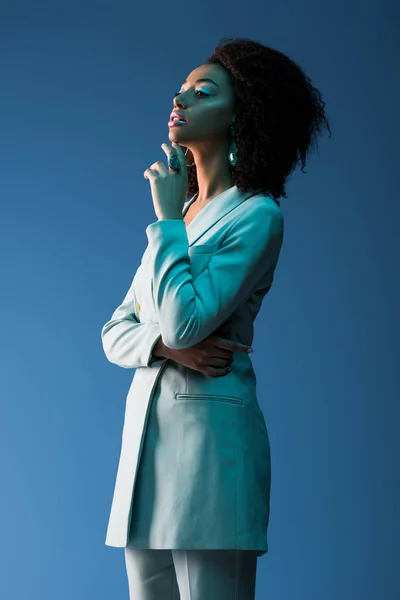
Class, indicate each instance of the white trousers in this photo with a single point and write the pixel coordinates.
(191, 574)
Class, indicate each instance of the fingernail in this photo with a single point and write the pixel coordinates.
(249, 350)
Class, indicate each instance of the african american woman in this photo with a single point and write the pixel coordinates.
(191, 501)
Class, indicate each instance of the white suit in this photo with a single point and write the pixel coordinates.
(201, 441)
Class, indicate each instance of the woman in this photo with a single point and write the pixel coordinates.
(191, 499)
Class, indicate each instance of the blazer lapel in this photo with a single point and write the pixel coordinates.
(217, 208)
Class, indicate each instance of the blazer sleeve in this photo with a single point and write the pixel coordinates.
(127, 342)
(189, 310)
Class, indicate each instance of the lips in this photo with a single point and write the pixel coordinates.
(175, 115)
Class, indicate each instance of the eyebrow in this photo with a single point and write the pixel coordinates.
(204, 79)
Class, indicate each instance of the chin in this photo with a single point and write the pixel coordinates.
(175, 138)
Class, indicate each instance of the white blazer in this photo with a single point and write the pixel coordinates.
(211, 481)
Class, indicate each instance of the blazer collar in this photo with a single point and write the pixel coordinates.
(215, 210)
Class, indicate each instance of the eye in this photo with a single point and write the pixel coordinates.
(197, 92)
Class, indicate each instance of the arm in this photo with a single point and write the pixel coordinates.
(190, 309)
(160, 349)
(128, 343)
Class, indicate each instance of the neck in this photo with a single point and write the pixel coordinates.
(213, 172)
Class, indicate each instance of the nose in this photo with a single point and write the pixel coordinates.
(178, 103)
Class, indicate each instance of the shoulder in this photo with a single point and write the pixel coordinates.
(259, 213)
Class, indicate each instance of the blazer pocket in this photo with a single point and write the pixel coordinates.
(203, 249)
(200, 257)
(214, 398)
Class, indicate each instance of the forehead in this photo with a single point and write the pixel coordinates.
(212, 71)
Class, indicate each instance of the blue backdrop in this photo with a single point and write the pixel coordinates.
(86, 92)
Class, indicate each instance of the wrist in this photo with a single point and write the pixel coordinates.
(171, 215)
(159, 350)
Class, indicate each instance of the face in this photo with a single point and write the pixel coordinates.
(208, 106)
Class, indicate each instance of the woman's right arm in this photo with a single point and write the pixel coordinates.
(127, 342)
(131, 344)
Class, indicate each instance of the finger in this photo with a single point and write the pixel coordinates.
(220, 362)
(149, 174)
(233, 346)
(159, 168)
(169, 150)
(176, 149)
(218, 372)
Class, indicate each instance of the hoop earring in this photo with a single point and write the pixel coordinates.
(192, 162)
(232, 155)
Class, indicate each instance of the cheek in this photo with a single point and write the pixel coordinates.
(215, 119)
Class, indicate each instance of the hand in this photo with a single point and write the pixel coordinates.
(168, 187)
(212, 356)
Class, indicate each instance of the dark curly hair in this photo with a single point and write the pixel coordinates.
(279, 115)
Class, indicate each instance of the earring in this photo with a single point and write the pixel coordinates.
(192, 162)
(232, 148)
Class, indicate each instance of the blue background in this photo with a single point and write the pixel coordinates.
(86, 94)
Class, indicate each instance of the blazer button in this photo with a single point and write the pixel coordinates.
(137, 307)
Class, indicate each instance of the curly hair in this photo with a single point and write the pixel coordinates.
(279, 115)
